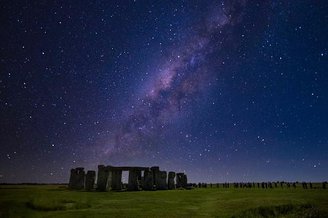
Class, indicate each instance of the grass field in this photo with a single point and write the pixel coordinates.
(58, 201)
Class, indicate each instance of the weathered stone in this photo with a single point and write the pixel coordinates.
(148, 181)
(116, 179)
(110, 178)
(171, 183)
(103, 179)
(77, 178)
(304, 185)
(134, 180)
(185, 180)
(161, 180)
(90, 180)
(155, 172)
(72, 179)
(181, 180)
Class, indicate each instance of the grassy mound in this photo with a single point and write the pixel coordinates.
(285, 210)
(42, 205)
(57, 201)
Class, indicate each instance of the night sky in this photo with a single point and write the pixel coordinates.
(221, 90)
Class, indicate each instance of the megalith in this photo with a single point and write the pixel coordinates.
(90, 180)
(148, 181)
(181, 180)
(77, 178)
(161, 182)
(103, 179)
(134, 180)
(116, 179)
(171, 183)
(155, 172)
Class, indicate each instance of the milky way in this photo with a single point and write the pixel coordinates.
(223, 90)
(178, 83)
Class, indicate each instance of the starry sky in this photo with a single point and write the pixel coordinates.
(222, 90)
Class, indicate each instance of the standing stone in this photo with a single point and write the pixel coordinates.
(134, 180)
(304, 184)
(181, 180)
(148, 182)
(77, 178)
(103, 179)
(155, 171)
(90, 180)
(161, 182)
(184, 180)
(171, 183)
(116, 179)
(72, 179)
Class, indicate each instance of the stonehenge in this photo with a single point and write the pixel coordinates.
(140, 178)
(109, 178)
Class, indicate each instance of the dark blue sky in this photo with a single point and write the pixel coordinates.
(223, 90)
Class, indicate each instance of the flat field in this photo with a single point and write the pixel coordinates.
(58, 201)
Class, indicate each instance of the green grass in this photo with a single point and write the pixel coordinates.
(57, 201)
